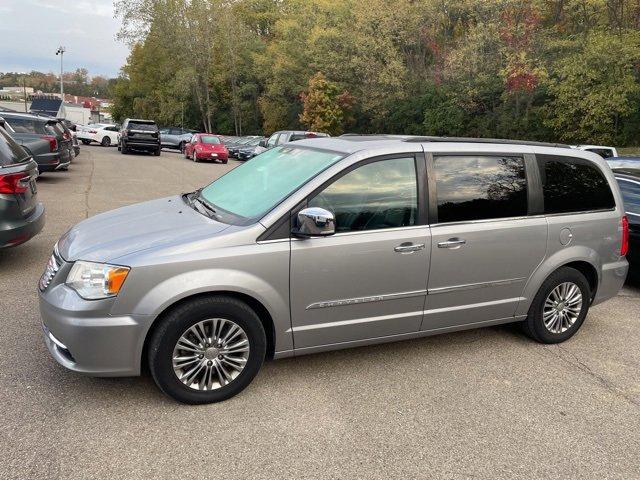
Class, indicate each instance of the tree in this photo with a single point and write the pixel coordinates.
(326, 107)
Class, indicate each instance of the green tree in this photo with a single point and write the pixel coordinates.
(326, 107)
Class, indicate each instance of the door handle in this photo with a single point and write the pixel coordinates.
(408, 247)
(452, 243)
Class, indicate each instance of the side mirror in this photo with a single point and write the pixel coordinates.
(315, 222)
(263, 143)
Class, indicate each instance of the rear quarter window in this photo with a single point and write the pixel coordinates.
(10, 151)
(573, 185)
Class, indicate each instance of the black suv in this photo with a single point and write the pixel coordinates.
(138, 134)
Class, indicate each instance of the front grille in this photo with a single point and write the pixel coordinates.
(54, 264)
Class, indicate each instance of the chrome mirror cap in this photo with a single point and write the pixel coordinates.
(315, 222)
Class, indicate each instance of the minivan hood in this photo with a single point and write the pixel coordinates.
(110, 235)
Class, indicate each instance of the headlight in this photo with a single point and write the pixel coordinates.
(93, 281)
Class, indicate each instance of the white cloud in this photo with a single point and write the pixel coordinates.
(32, 30)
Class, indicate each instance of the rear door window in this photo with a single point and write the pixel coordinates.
(479, 187)
(573, 185)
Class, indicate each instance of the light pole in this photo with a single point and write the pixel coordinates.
(24, 89)
(60, 52)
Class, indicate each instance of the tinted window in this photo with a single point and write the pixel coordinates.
(10, 151)
(210, 139)
(147, 127)
(631, 195)
(480, 187)
(573, 185)
(377, 195)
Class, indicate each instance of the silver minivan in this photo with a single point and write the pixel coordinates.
(331, 243)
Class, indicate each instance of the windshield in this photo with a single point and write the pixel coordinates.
(254, 188)
(210, 139)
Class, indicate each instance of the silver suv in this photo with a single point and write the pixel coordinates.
(331, 243)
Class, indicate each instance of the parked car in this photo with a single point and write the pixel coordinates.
(175, 137)
(106, 134)
(629, 181)
(21, 215)
(241, 142)
(137, 134)
(69, 136)
(624, 163)
(249, 150)
(286, 136)
(330, 243)
(43, 137)
(604, 152)
(205, 146)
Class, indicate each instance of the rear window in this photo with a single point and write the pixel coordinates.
(210, 139)
(573, 185)
(631, 195)
(27, 125)
(479, 187)
(147, 127)
(10, 151)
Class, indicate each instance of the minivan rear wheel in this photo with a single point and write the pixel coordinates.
(207, 350)
(559, 308)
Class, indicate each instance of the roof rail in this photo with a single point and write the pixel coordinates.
(418, 139)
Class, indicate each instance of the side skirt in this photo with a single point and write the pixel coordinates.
(394, 338)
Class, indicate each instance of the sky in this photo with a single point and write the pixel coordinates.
(32, 31)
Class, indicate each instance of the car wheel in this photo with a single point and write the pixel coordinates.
(207, 350)
(225, 161)
(157, 152)
(559, 308)
(86, 142)
(123, 149)
(181, 147)
(106, 142)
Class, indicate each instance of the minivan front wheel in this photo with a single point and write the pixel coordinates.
(207, 350)
(559, 308)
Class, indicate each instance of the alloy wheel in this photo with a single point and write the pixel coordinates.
(562, 307)
(210, 354)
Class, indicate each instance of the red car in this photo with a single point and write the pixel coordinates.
(205, 146)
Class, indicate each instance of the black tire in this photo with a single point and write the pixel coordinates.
(106, 142)
(123, 149)
(172, 326)
(534, 326)
(157, 152)
(181, 147)
(86, 142)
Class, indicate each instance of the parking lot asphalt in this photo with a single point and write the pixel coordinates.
(484, 403)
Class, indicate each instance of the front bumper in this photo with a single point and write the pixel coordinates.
(82, 336)
(12, 234)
